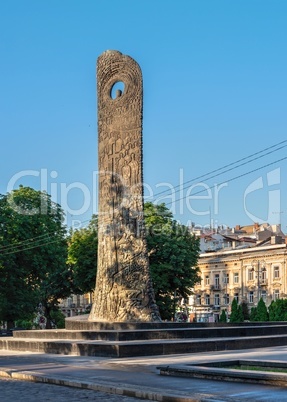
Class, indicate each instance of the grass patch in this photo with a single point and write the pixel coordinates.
(259, 368)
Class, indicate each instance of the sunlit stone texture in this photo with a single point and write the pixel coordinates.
(123, 287)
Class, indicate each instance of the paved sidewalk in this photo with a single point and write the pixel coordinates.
(130, 378)
(26, 391)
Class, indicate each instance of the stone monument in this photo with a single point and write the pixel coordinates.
(123, 290)
(124, 320)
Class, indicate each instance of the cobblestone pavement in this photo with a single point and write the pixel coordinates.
(25, 391)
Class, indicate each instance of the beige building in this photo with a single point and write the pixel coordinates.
(244, 274)
(76, 304)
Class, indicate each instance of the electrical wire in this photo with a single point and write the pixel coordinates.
(232, 179)
(30, 248)
(228, 165)
(27, 241)
(23, 242)
(228, 170)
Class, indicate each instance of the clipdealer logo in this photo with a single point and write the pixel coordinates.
(179, 198)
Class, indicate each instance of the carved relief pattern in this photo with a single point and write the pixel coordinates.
(123, 287)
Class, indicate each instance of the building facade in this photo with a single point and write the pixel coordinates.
(243, 274)
(76, 304)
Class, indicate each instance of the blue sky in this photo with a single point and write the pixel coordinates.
(215, 91)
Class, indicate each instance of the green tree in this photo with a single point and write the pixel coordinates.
(223, 317)
(278, 310)
(253, 313)
(173, 255)
(245, 310)
(262, 312)
(14, 295)
(33, 256)
(82, 256)
(236, 312)
(58, 318)
(240, 313)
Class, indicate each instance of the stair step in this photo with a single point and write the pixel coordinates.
(130, 348)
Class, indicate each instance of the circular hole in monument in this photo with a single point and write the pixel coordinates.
(117, 89)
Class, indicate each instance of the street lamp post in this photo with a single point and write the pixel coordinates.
(225, 281)
(258, 267)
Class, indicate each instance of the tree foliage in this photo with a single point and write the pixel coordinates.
(173, 255)
(240, 313)
(253, 313)
(37, 266)
(245, 310)
(259, 313)
(236, 312)
(223, 316)
(33, 255)
(278, 310)
(82, 256)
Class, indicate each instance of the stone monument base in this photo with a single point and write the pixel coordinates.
(123, 339)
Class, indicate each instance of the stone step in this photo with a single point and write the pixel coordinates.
(139, 348)
(122, 339)
(166, 333)
(82, 323)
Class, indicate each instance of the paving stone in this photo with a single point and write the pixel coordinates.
(25, 391)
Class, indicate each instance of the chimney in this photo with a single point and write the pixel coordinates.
(275, 240)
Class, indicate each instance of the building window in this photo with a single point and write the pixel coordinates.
(226, 279)
(226, 298)
(216, 281)
(276, 273)
(264, 295)
(251, 296)
(207, 299)
(250, 275)
(276, 294)
(216, 299)
(198, 299)
(236, 277)
(206, 280)
(236, 297)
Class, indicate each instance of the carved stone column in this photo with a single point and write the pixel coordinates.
(123, 286)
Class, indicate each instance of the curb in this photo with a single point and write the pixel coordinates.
(148, 394)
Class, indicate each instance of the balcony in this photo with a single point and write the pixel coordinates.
(215, 287)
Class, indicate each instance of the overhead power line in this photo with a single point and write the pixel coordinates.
(30, 248)
(232, 179)
(228, 170)
(179, 186)
(26, 242)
